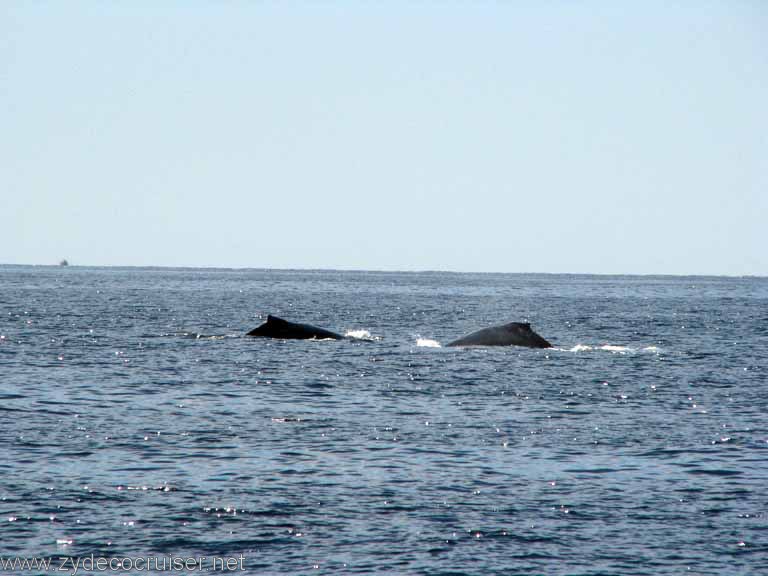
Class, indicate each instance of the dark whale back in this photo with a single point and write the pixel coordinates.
(512, 334)
(276, 327)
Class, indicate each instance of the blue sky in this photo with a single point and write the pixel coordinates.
(594, 137)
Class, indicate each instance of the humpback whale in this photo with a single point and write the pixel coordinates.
(276, 327)
(512, 334)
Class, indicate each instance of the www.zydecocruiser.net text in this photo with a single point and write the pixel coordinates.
(74, 565)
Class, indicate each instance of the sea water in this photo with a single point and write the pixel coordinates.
(138, 424)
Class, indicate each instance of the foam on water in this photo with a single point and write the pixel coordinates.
(427, 343)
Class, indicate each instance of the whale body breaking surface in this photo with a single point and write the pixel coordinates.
(276, 327)
(512, 334)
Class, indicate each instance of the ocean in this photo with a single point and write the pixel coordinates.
(140, 429)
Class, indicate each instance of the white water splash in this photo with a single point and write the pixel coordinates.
(577, 348)
(619, 349)
(610, 348)
(360, 335)
(427, 343)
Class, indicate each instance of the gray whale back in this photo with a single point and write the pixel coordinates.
(276, 327)
(512, 334)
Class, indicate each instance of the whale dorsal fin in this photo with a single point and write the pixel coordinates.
(275, 320)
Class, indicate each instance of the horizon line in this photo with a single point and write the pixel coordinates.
(381, 271)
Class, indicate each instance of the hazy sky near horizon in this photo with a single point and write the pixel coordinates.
(594, 137)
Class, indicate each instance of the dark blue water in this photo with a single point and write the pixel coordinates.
(137, 421)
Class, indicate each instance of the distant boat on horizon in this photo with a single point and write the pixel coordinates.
(64, 262)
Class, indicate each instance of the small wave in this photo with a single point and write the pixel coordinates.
(144, 488)
(427, 343)
(197, 336)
